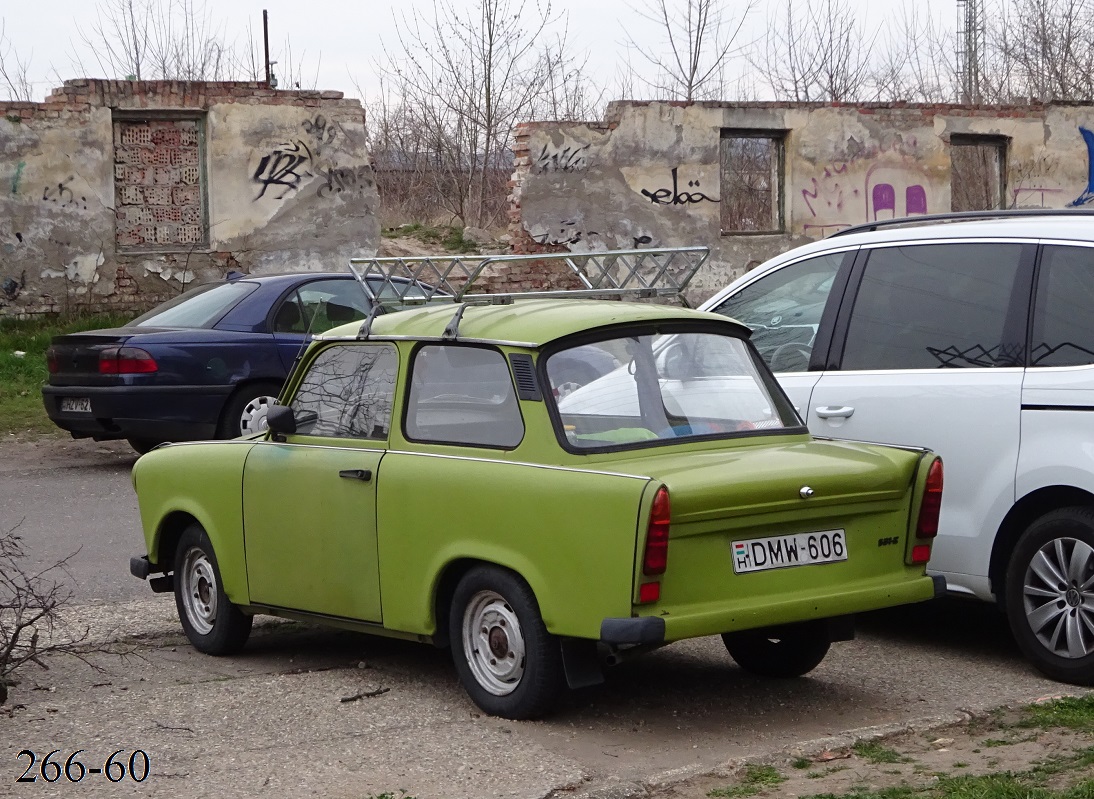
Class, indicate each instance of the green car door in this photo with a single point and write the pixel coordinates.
(309, 501)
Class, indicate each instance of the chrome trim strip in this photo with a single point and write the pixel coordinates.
(456, 458)
(432, 339)
(521, 463)
(906, 447)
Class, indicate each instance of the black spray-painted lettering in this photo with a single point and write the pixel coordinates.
(674, 196)
(283, 167)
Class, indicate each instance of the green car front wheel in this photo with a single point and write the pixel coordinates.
(212, 623)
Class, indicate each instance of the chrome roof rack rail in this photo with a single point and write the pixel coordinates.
(637, 274)
(961, 216)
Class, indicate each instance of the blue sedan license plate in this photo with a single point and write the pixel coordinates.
(781, 551)
(75, 404)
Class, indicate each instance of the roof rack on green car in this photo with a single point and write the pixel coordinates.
(635, 274)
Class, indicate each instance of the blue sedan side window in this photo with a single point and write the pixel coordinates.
(318, 306)
(348, 391)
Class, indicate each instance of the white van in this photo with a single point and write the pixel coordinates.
(971, 334)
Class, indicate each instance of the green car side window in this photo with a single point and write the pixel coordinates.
(463, 395)
(348, 392)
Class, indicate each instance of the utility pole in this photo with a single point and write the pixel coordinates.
(266, 44)
(970, 53)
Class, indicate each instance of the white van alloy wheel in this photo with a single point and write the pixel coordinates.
(1058, 597)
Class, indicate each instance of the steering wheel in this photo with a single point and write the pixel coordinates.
(796, 356)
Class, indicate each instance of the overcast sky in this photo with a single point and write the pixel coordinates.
(339, 42)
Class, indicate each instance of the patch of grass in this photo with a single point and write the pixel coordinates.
(21, 377)
(876, 753)
(1031, 784)
(450, 237)
(755, 779)
(896, 792)
(1076, 713)
(802, 762)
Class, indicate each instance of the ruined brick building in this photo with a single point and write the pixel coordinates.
(751, 180)
(117, 194)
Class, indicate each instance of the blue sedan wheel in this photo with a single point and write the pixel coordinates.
(246, 410)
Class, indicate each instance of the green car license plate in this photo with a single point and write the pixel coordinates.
(781, 551)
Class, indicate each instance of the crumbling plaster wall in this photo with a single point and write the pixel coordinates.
(284, 178)
(649, 175)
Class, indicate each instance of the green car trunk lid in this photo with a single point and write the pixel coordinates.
(722, 497)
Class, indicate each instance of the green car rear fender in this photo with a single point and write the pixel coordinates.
(577, 552)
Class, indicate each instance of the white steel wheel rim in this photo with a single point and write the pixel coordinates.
(493, 643)
(199, 591)
(253, 418)
(1058, 595)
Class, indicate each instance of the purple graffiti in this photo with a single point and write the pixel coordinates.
(884, 198)
(915, 200)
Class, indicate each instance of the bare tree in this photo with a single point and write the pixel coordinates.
(173, 40)
(699, 40)
(14, 71)
(30, 605)
(568, 93)
(1046, 48)
(917, 61)
(819, 54)
(456, 86)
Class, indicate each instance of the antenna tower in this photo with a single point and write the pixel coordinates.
(970, 51)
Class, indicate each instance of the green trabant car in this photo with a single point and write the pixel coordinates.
(545, 487)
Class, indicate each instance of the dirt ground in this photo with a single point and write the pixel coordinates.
(991, 744)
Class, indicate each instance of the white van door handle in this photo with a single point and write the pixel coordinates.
(834, 412)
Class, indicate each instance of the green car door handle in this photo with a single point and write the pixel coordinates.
(364, 475)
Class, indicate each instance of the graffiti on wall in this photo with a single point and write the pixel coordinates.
(674, 196)
(894, 190)
(285, 167)
(62, 195)
(1087, 196)
(17, 176)
(895, 185)
(321, 131)
(553, 158)
(288, 165)
(350, 179)
(568, 232)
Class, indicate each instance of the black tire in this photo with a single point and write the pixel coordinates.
(143, 445)
(254, 396)
(517, 672)
(1050, 594)
(782, 652)
(212, 623)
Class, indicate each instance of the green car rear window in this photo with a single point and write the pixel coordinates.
(463, 395)
(640, 390)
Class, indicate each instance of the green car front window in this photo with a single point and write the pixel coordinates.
(646, 389)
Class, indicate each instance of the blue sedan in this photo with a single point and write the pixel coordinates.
(207, 364)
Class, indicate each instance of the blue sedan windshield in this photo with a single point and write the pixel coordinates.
(199, 307)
